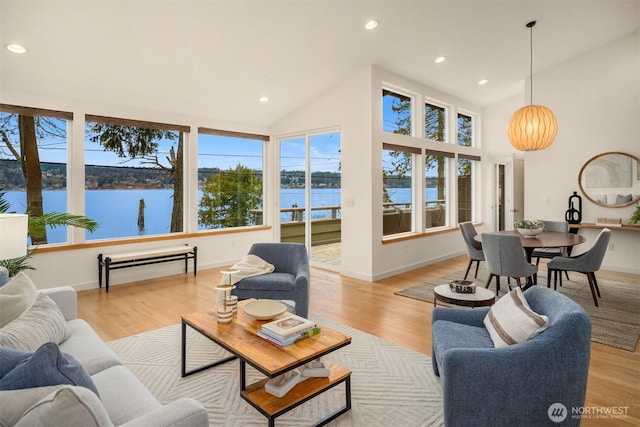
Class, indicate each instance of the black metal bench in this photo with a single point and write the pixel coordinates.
(151, 256)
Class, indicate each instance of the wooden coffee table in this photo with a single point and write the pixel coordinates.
(241, 340)
(482, 297)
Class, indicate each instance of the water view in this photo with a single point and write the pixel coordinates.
(116, 211)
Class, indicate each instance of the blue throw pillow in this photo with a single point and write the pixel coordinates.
(9, 358)
(4, 276)
(47, 366)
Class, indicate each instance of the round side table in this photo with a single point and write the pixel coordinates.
(480, 298)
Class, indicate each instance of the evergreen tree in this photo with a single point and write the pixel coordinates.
(229, 196)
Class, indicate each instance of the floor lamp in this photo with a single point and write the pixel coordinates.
(13, 239)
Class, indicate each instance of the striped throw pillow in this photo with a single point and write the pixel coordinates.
(511, 320)
(41, 323)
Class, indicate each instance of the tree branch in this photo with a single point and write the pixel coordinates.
(15, 153)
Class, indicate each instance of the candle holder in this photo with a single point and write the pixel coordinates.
(226, 303)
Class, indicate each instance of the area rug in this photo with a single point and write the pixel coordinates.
(390, 385)
(615, 322)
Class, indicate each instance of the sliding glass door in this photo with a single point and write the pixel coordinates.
(310, 195)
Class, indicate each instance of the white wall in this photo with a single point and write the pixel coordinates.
(596, 100)
(496, 145)
(348, 108)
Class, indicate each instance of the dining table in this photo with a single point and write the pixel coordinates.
(546, 239)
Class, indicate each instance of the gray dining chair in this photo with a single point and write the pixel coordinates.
(474, 248)
(587, 263)
(504, 256)
(549, 253)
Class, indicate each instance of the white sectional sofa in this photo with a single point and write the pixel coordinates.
(122, 399)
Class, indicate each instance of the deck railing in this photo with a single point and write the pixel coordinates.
(327, 228)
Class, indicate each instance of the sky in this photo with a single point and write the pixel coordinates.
(213, 151)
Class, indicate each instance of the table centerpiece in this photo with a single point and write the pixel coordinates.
(529, 228)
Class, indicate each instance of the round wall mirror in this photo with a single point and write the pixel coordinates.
(611, 179)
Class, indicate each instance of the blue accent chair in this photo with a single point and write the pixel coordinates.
(289, 280)
(515, 385)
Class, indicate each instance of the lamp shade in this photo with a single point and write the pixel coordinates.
(533, 127)
(13, 235)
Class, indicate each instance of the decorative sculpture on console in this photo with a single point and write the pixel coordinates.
(573, 215)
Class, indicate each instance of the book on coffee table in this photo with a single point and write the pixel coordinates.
(288, 326)
(283, 342)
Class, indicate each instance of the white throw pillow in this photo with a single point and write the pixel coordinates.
(15, 297)
(67, 406)
(14, 403)
(511, 320)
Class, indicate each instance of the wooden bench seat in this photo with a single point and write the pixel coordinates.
(150, 256)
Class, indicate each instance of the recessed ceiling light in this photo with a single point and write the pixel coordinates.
(440, 59)
(264, 99)
(16, 48)
(483, 81)
(371, 24)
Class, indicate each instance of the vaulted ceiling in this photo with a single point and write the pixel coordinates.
(216, 58)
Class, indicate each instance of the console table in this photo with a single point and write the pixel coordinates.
(593, 226)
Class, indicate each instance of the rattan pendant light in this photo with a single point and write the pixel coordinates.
(533, 127)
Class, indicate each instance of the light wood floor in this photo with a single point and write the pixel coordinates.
(614, 375)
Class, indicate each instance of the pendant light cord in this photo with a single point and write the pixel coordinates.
(530, 26)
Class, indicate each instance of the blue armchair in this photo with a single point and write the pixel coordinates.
(515, 385)
(289, 280)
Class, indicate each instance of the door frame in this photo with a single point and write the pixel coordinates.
(513, 190)
(307, 138)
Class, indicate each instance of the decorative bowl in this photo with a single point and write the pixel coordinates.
(264, 309)
(530, 233)
(463, 286)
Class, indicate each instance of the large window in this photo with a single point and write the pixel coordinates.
(467, 169)
(33, 165)
(133, 177)
(230, 186)
(396, 113)
(449, 171)
(397, 197)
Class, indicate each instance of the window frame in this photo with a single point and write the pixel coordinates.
(403, 221)
(182, 133)
(233, 134)
(447, 147)
(445, 214)
(68, 117)
(447, 109)
(411, 115)
(472, 117)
